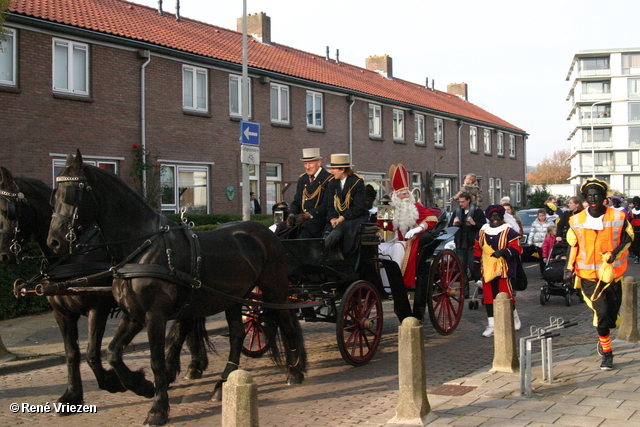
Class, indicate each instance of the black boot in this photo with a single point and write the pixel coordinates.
(331, 241)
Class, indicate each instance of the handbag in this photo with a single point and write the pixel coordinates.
(520, 282)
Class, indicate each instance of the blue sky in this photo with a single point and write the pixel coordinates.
(513, 55)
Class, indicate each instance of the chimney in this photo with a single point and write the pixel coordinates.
(178, 10)
(258, 26)
(459, 89)
(382, 64)
(160, 11)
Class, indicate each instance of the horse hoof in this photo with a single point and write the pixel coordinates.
(156, 420)
(193, 374)
(294, 380)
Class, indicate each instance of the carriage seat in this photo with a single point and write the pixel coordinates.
(369, 234)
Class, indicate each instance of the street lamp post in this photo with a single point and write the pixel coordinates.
(246, 215)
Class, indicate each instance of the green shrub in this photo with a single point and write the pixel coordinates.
(11, 306)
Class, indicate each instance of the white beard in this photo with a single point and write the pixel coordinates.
(406, 213)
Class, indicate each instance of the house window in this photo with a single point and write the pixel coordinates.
(515, 192)
(498, 190)
(253, 179)
(634, 112)
(634, 136)
(590, 64)
(491, 192)
(473, 139)
(279, 103)
(438, 132)
(70, 67)
(314, 110)
(599, 135)
(599, 111)
(274, 184)
(235, 96)
(107, 164)
(487, 141)
(184, 186)
(512, 146)
(633, 86)
(632, 184)
(626, 161)
(375, 121)
(500, 144)
(631, 63)
(398, 125)
(443, 193)
(419, 129)
(194, 88)
(596, 87)
(8, 58)
(416, 185)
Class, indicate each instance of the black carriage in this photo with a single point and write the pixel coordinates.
(349, 291)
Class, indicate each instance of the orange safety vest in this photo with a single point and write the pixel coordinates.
(592, 244)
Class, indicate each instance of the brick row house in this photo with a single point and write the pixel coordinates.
(105, 76)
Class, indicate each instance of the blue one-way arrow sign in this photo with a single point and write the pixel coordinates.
(249, 133)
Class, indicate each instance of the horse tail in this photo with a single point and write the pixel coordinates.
(273, 336)
(285, 333)
(199, 343)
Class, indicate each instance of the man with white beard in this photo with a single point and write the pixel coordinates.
(411, 219)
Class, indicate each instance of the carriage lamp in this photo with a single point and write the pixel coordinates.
(385, 214)
(280, 212)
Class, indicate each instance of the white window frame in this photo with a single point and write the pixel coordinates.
(398, 125)
(498, 191)
(515, 192)
(315, 106)
(254, 183)
(273, 184)
(195, 72)
(512, 146)
(419, 129)
(487, 141)
(375, 121)
(12, 42)
(71, 47)
(177, 168)
(473, 139)
(438, 132)
(280, 111)
(500, 144)
(235, 89)
(491, 192)
(58, 164)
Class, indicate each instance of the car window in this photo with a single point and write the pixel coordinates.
(528, 216)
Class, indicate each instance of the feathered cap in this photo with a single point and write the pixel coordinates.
(399, 178)
(494, 208)
(594, 182)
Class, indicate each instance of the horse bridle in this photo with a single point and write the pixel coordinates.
(73, 197)
(13, 202)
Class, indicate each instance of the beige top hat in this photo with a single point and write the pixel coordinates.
(310, 154)
(340, 161)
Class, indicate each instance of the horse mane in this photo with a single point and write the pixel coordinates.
(37, 185)
(96, 174)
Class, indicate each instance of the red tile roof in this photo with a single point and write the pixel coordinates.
(137, 22)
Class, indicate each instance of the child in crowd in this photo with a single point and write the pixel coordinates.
(470, 186)
(538, 234)
(549, 241)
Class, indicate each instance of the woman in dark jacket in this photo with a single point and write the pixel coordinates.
(575, 206)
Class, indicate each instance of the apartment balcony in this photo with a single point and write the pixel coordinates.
(593, 97)
(594, 73)
(585, 121)
(586, 145)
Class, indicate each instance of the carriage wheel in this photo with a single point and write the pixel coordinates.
(359, 323)
(567, 298)
(256, 341)
(445, 295)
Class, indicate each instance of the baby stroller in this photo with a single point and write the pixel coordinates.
(553, 276)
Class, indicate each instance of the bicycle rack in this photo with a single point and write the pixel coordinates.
(545, 336)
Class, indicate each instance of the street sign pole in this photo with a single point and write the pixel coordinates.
(246, 215)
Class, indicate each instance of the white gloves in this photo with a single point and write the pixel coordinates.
(409, 234)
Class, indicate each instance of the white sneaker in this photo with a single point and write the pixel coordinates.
(517, 324)
(489, 331)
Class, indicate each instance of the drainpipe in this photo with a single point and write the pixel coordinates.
(460, 182)
(353, 101)
(143, 116)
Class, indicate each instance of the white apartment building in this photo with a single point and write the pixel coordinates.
(605, 102)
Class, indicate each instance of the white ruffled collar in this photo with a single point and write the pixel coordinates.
(493, 231)
(594, 223)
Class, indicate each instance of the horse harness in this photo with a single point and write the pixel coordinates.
(14, 201)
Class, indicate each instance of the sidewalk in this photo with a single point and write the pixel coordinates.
(581, 394)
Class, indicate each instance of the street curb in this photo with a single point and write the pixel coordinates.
(30, 363)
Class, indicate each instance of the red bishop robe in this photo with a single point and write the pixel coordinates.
(426, 216)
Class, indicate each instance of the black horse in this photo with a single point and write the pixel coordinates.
(25, 211)
(170, 271)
